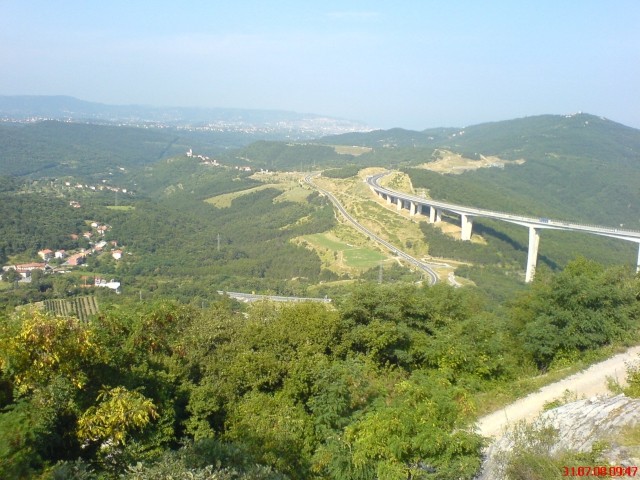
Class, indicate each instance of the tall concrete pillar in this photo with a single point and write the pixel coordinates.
(532, 256)
(438, 215)
(413, 206)
(399, 204)
(389, 199)
(432, 214)
(419, 211)
(466, 225)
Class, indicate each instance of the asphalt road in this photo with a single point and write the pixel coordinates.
(431, 274)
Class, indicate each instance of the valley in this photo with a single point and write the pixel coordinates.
(421, 324)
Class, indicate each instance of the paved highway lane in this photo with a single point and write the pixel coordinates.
(545, 223)
(431, 274)
(253, 297)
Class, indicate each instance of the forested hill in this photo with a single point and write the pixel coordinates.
(579, 135)
(55, 148)
(578, 167)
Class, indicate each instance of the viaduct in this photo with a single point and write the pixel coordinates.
(420, 205)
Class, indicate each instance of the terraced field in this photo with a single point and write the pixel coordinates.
(81, 307)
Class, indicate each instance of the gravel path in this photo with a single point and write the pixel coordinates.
(587, 383)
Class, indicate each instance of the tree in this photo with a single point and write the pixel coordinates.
(581, 308)
(11, 276)
(276, 430)
(45, 363)
(118, 412)
(36, 347)
(422, 427)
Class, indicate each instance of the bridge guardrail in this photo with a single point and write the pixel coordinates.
(553, 224)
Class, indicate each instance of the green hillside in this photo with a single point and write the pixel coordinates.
(579, 167)
(580, 135)
(57, 148)
(169, 379)
(287, 156)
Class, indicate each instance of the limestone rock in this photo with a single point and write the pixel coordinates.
(579, 425)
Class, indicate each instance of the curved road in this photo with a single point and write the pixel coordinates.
(433, 276)
(630, 235)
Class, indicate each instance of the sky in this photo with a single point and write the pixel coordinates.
(411, 64)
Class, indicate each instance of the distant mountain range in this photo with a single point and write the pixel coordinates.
(298, 125)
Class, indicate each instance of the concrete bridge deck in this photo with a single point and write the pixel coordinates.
(416, 206)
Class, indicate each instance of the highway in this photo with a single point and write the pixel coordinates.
(630, 235)
(431, 274)
(252, 297)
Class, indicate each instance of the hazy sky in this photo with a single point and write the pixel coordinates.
(412, 64)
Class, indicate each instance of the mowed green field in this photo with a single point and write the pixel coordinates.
(122, 208)
(349, 256)
(291, 192)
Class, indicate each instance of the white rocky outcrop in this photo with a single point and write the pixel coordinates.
(578, 425)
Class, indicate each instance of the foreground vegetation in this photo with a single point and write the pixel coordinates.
(171, 380)
(383, 386)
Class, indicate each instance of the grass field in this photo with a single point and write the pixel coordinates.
(224, 200)
(288, 184)
(122, 208)
(294, 193)
(341, 256)
(351, 150)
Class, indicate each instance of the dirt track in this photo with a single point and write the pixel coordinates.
(587, 383)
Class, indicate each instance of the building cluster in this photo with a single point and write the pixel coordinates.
(204, 160)
(95, 188)
(112, 284)
(62, 261)
(104, 186)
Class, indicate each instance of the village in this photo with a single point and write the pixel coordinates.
(205, 160)
(61, 261)
(57, 261)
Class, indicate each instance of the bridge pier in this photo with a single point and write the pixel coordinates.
(389, 199)
(466, 225)
(413, 208)
(532, 256)
(399, 204)
(435, 215)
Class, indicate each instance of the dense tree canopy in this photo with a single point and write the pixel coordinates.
(381, 386)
